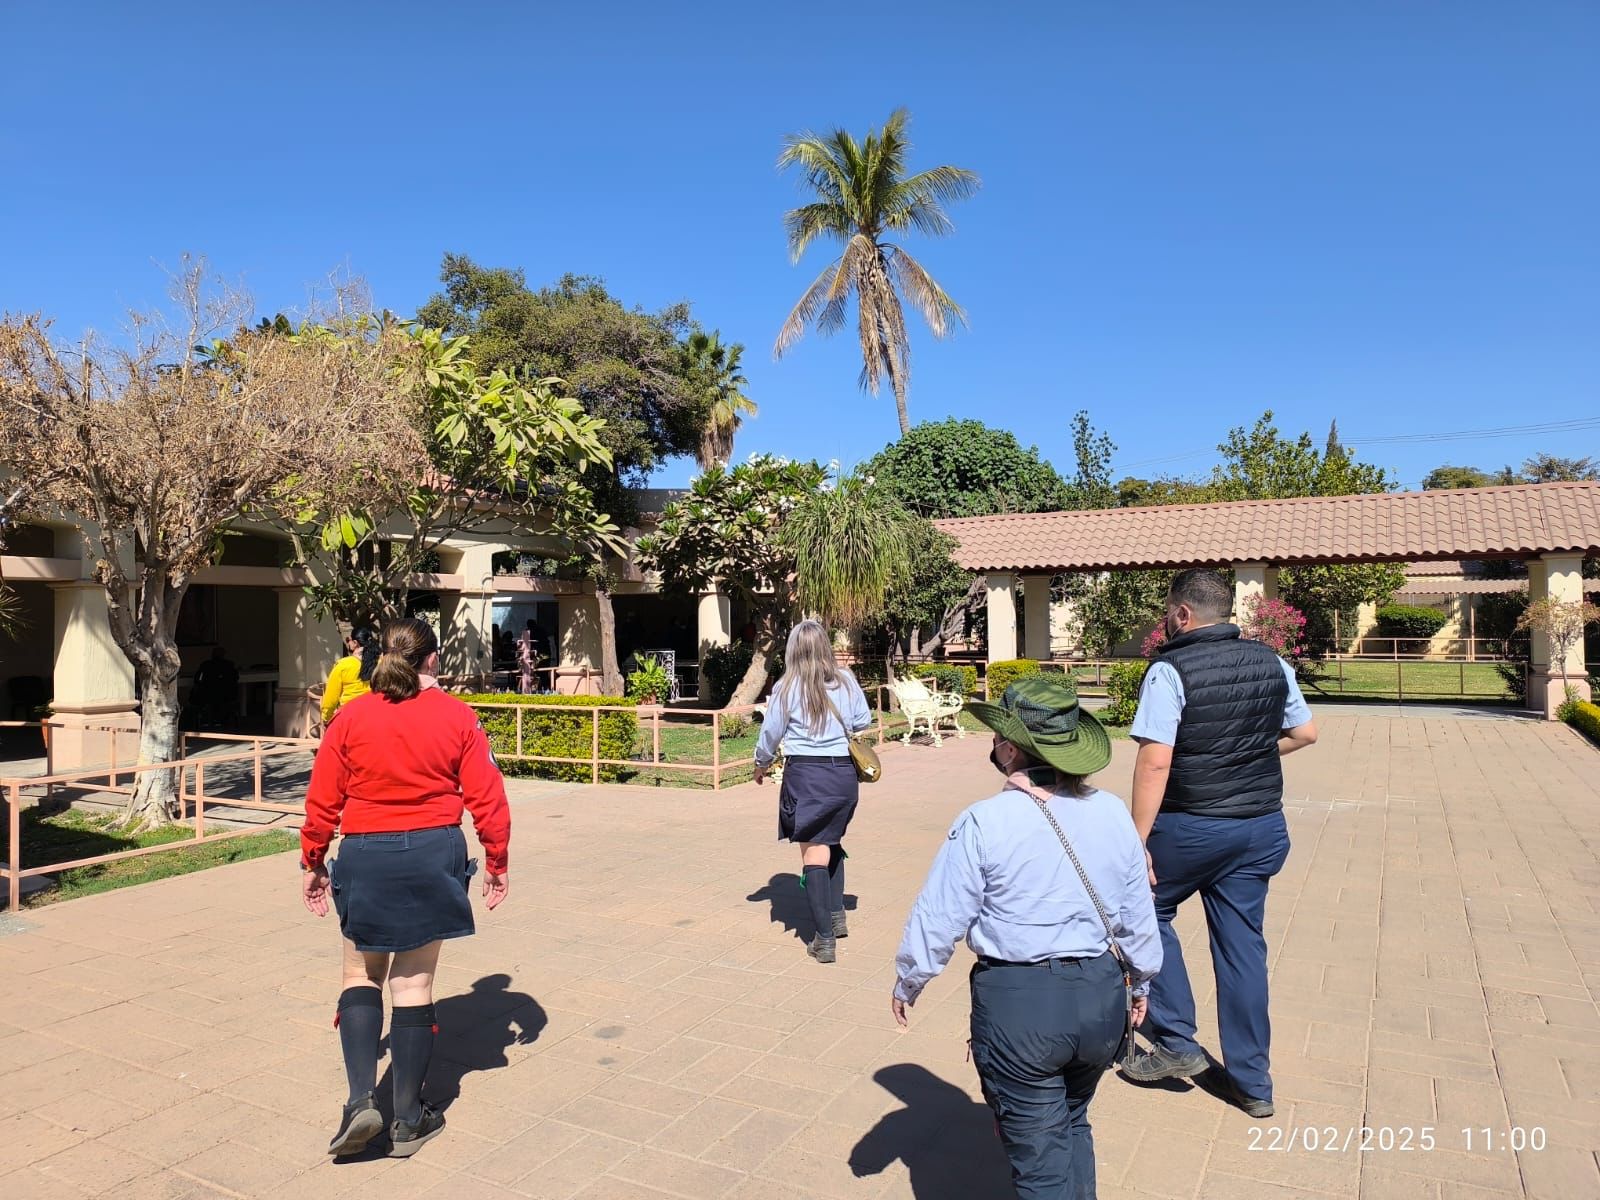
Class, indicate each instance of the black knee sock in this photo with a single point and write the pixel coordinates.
(411, 1031)
(818, 897)
(836, 878)
(360, 1023)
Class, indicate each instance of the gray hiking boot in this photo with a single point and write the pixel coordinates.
(1159, 1063)
(840, 929)
(405, 1139)
(824, 949)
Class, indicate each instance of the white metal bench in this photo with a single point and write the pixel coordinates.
(928, 709)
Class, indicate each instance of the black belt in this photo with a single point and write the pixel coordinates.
(986, 961)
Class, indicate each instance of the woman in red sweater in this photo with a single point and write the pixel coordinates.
(393, 775)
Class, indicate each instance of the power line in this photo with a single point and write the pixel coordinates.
(1576, 425)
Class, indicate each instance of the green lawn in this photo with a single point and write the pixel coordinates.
(63, 836)
(1422, 680)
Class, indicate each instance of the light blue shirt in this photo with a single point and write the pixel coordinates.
(1161, 704)
(1003, 882)
(785, 724)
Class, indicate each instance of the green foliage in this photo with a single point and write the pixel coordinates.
(1409, 621)
(650, 683)
(964, 468)
(851, 546)
(733, 726)
(1320, 592)
(1448, 476)
(1552, 468)
(715, 376)
(1007, 671)
(1498, 614)
(871, 676)
(1582, 716)
(935, 586)
(724, 667)
(861, 191)
(949, 677)
(1514, 675)
(557, 734)
(1122, 686)
(625, 366)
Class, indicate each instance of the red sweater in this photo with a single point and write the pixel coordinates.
(387, 767)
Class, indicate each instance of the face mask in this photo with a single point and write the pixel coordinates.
(1173, 628)
(994, 758)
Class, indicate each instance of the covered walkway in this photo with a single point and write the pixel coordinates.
(640, 1020)
(1550, 526)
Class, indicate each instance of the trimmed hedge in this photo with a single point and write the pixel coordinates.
(1122, 686)
(1585, 718)
(1004, 673)
(557, 734)
(948, 677)
(1409, 621)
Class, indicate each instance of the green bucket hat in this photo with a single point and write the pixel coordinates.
(1041, 714)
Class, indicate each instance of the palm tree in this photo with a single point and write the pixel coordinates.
(715, 368)
(863, 194)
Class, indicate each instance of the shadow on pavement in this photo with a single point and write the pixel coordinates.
(475, 1031)
(946, 1139)
(789, 907)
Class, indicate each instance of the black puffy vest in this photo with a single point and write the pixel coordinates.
(1225, 762)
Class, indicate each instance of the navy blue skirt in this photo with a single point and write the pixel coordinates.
(818, 798)
(399, 891)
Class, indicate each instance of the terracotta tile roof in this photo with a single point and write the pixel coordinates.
(1496, 522)
(1474, 587)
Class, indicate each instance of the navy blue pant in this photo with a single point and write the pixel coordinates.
(1229, 862)
(1041, 1038)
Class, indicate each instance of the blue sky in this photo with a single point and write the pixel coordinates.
(1383, 211)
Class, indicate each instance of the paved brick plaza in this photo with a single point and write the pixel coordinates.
(641, 1021)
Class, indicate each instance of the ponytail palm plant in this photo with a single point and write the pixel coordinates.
(863, 195)
(851, 547)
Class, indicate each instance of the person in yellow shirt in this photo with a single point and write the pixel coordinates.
(351, 675)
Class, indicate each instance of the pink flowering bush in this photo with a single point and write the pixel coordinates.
(1277, 623)
(1154, 640)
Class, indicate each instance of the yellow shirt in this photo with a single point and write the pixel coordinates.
(344, 685)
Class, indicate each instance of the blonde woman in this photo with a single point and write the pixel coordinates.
(813, 710)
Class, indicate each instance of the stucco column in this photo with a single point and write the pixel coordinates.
(714, 619)
(465, 617)
(1036, 616)
(95, 691)
(308, 645)
(1002, 605)
(1249, 580)
(579, 637)
(1560, 577)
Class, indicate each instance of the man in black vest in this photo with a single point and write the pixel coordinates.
(1216, 714)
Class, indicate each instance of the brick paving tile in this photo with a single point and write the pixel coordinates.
(659, 1031)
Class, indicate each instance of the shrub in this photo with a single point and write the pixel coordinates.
(1409, 621)
(1514, 675)
(1006, 672)
(559, 734)
(870, 675)
(650, 683)
(1154, 640)
(1584, 717)
(724, 667)
(1122, 686)
(1279, 625)
(948, 677)
(734, 725)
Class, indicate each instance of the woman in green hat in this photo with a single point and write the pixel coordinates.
(1046, 881)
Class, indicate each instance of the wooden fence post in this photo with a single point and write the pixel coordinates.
(14, 848)
(595, 745)
(199, 797)
(716, 750)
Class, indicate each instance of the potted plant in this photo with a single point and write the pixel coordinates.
(649, 684)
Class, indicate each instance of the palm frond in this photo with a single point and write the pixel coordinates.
(805, 224)
(939, 185)
(935, 304)
(804, 312)
(814, 155)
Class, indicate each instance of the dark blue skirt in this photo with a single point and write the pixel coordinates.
(818, 798)
(399, 891)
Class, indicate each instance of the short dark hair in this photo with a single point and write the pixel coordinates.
(1206, 592)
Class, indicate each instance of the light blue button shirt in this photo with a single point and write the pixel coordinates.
(1002, 881)
(785, 724)
(1161, 704)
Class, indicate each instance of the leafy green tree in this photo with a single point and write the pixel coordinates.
(714, 369)
(1448, 476)
(501, 454)
(727, 533)
(964, 468)
(863, 195)
(1552, 468)
(1259, 463)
